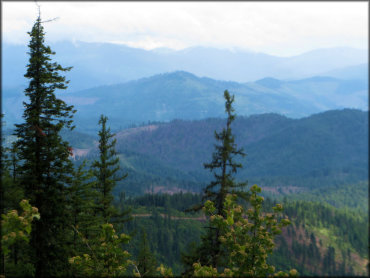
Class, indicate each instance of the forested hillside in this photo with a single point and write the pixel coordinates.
(330, 241)
(325, 149)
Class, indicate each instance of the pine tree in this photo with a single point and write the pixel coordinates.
(46, 167)
(224, 167)
(223, 164)
(105, 171)
(146, 262)
(81, 196)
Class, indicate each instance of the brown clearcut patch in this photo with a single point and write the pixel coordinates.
(170, 191)
(290, 189)
(135, 130)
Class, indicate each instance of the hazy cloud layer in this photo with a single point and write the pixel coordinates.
(282, 28)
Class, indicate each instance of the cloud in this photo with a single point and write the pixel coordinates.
(283, 28)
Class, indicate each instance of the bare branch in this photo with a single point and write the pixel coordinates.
(136, 269)
(55, 18)
(39, 8)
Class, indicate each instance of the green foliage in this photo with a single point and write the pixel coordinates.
(164, 271)
(106, 258)
(247, 238)
(167, 236)
(146, 262)
(81, 197)
(347, 228)
(337, 196)
(105, 171)
(45, 168)
(345, 231)
(15, 227)
(316, 227)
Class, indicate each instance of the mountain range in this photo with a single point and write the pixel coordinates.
(97, 64)
(182, 95)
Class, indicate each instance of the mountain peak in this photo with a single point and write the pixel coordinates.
(179, 74)
(269, 82)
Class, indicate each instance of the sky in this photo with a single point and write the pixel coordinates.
(276, 28)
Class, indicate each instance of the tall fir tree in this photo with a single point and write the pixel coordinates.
(105, 171)
(46, 168)
(224, 167)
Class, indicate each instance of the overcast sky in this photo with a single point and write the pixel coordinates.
(277, 28)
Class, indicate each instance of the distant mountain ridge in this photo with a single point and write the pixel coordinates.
(97, 64)
(182, 95)
(357, 72)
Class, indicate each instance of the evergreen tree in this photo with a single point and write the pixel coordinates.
(81, 196)
(12, 196)
(224, 167)
(105, 171)
(223, 164)
(329, 261)
(14, 162)
(146, 262)
(46, 167)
